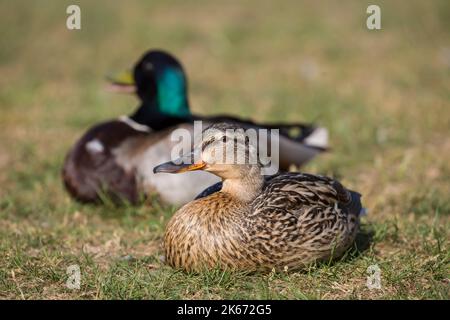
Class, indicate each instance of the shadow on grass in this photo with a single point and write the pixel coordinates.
(364, 238)
(362, 243)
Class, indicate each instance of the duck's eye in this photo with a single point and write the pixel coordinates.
(224, 139)
(148, 66)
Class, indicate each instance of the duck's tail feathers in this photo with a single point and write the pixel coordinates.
(317, 138)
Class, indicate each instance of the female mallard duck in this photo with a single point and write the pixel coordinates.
(114, 157)
(252, 223)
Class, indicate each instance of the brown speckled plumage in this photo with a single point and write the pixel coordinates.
(289, 220)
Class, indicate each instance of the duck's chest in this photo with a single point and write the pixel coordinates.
(208, 234)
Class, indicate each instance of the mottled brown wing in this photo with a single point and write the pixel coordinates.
(310, 217)
(298, 191)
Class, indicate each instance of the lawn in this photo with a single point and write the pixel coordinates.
(383, 94)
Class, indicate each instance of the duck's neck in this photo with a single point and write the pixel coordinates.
(150, 114)
(246, 187)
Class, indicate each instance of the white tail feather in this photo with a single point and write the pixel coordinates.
(318, 138)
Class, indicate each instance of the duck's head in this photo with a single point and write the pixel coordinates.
(224, 150)
(159, 81)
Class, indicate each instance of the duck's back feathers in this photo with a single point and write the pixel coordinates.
(305, 190)
(323, 189)
(90, 168)
(320, 216)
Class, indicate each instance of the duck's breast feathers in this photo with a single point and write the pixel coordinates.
(91, 164)
(294, 190)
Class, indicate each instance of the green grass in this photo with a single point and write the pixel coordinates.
(384, 95)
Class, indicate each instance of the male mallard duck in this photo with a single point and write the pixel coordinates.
(285, 221)
(114, 157)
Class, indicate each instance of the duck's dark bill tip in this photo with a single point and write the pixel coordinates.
(171, 167)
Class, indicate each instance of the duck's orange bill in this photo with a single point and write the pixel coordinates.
(171, 167)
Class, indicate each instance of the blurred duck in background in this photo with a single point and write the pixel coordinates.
(115, 158)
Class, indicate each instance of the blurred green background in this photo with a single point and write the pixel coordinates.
(383, 94)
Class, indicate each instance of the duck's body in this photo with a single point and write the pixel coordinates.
(295, 220)
(115, 158)
(287, 220)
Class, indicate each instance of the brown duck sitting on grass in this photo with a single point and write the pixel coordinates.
(288, 220)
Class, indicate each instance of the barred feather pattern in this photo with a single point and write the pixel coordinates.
(295, 220)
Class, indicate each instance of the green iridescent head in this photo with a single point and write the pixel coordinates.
(160, 81)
